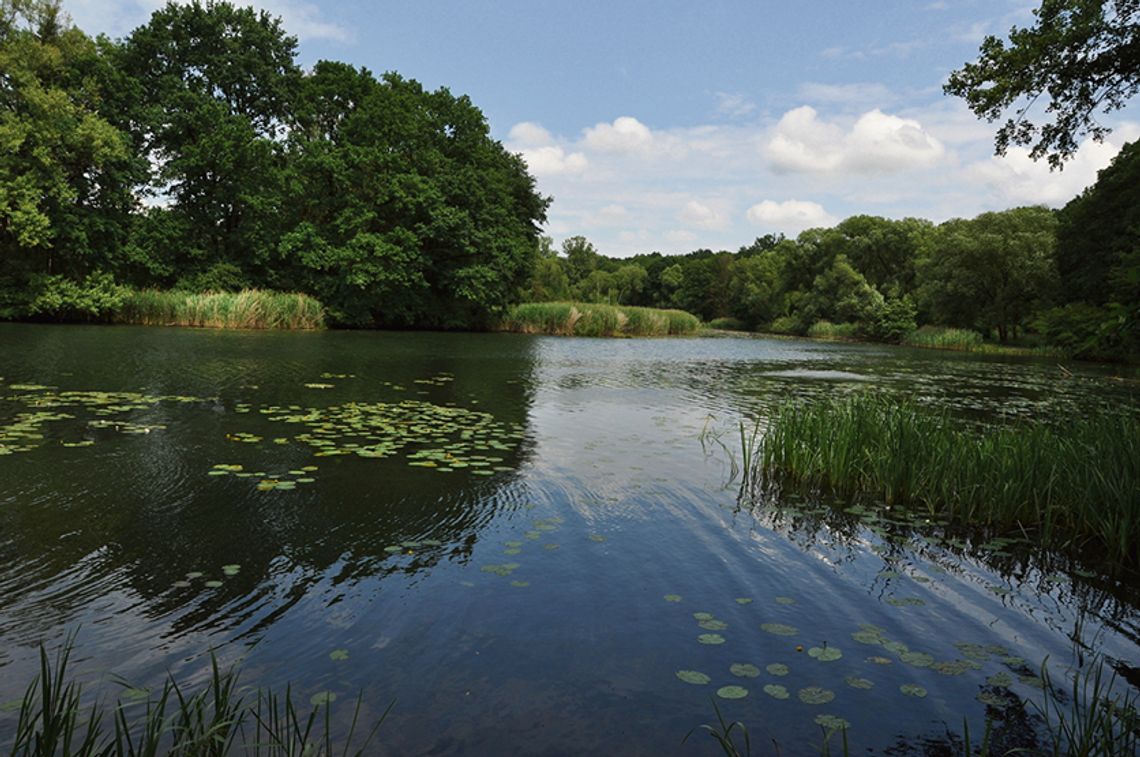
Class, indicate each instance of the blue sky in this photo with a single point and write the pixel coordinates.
(672, 126)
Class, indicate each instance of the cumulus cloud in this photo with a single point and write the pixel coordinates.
(529, 134)
(790, 216)
(845, 94)
(625, 135)
(876, 143)
(543, 157)
(697, 213)
(1019, 180)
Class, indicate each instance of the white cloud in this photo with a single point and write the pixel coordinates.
(553, 160)
(875, 143)
(1019, 180)
(697, 213)
(610, 215)
(733, 104)
(625, 135)
(865, 93)
(529, 134)
(790, 216)
(301, 19)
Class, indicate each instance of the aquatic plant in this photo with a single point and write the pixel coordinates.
(966, 340)
(221, 718)
(591, 319)
(247, 309)
(1072, 483)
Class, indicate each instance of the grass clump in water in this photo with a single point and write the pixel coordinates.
(247, 309)
(1069, 485)
(222, 718)
(590, 319)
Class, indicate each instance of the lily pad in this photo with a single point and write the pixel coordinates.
(879, 660)
(776, 691)
(713, 625)
(831, 722)
(693, 676)
(785, 601)
(815, 695)
(338, 654)
(520, 584)
(778, 669)
(917, 659)
(672, 597)
(231, 570)
(744, 670)
(858, 683)
(954, 667)
(212, 584)
(710, 638)
(732, 692)
(825, 654)
(1003, 680)
(913, 690)
(322, 698)
(743, 600)
(779, 629)
(703, 615)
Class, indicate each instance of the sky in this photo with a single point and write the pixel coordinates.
(671, 126)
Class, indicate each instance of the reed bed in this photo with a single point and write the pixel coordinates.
(590, 319)
(247, 309)
(221, 718)
(965, 340)
(1070, 485)
(836, 331)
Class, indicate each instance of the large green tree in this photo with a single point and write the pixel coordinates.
(992, 272)
(210, 90)
(1079, 58)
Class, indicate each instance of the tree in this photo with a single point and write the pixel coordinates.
(64, 195)
(991, 272)
(581, 258)
(1082, 56)
(213, 87)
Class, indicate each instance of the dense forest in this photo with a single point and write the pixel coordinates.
(1069, 279)
(196, 155)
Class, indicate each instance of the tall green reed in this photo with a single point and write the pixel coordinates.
(592, 319)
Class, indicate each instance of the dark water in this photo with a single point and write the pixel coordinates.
(511, 599)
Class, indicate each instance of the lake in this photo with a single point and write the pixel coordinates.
(529, 543)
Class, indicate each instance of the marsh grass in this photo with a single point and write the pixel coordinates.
(1070, 484)
(965, 340)
(835, 331)
(590, 319)
(222, 718)
(247, 309)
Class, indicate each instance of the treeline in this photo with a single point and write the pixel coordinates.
(1067, 279)
(195, 154)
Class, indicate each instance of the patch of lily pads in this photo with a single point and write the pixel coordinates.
(693, 676)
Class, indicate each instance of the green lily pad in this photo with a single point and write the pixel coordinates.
(672, 597)
(597, 537)
(194, 574)
(831, 722)
(710, 638)
(212, 584)
(713, 625)
(1002, 679)
(815, 695)
(778, 669)
(703, 615)
(338, 654)
(393, 549)
(550, 547)
(785, 601)
(231, 570)
(693, 676)
(825, 654)
(879, 660)
(779, 629)
(858, 683)
(995, 699)
(520, 584)
(913, 690)
(322, 698)
(776, 691)
(955, 667)
(906, 601)
(917, 659)
(732, 692)
(743, 600)
(744, 670)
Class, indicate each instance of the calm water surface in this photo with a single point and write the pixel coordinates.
(509, 589)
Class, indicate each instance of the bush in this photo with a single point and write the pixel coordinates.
(727, 324)
(58, 298)
(787, 324)
(828, 330)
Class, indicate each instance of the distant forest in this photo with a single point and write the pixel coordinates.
(195, 155)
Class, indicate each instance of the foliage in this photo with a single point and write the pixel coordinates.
(942, 338)
(1080, 56)
(1071, 484)
(829, 330)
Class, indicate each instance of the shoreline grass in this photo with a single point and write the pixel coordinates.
(1074, 485)
(221, 717)
(966, 340)
(247, 309)
(591, 319)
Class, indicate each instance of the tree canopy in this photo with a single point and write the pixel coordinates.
(1080, 57)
